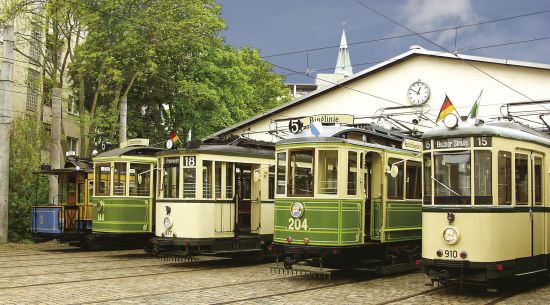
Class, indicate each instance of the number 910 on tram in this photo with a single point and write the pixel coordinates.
(485, 202)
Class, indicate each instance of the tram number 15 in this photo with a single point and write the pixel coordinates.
(450, 253)
(297, 224)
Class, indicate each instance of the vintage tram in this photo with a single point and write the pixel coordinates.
(348, 197)
(70, 215)
(123, 196)
(486, 202)
(215, 198)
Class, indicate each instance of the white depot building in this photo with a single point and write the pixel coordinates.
(406, 92)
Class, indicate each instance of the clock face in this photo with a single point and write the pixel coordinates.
(418, 93)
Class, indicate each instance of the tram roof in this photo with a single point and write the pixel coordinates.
(79, 165)
(224, 149)
(334, 134)
(504, 129)
(130, 151)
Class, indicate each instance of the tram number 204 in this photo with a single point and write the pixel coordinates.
(297, 224)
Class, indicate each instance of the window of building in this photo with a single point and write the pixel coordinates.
(504, 178)
(281, 173)
(413, 180)
(522, 174)
(301, 172)
(328, 172)
(395, 185)
(140, 179)
(352, 173)
(72, 105)
(483, 177)
(102, 179)
(33, 89)
(72, 144)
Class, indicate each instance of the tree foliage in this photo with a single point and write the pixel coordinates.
(27, 139)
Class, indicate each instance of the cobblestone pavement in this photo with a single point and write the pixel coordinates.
(50, 273)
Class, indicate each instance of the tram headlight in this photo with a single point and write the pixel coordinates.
(168, 222)
(450, 235)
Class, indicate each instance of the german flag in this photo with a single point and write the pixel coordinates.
(446, 108)
(174, 137)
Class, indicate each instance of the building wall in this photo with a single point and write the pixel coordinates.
(460, 81)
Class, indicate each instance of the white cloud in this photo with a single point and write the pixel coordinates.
(425, 15)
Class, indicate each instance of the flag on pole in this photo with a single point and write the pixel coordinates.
(475, 107)
(446, 108)
(189, 135)
(174, 137)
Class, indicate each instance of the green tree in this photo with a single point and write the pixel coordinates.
(25, 189)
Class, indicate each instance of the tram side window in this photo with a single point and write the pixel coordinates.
(504, 178)
(537, 175)
(281, 173)
(483, 177)
(103, 179)
(522, 195)
(452, 177)
(413, 180)
(171, 177)
(218, 179)
(207, 179)
(119, 183)
(229, 180)
(190, 176)
(328, 172)
(271, 186)
(301, 172)
(395, 185)
(140, 179)
(352, 173)
(427, 179)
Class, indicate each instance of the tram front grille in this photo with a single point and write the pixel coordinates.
(451, 264)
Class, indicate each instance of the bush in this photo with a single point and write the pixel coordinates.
(27, 140)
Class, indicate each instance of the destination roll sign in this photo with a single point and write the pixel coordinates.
(452, 143)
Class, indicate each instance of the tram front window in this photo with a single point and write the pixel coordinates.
(301, 173)
(452, 177)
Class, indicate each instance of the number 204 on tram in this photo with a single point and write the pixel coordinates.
(485, 214)
(338, 206)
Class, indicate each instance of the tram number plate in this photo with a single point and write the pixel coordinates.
(297, 224)
(450, 253)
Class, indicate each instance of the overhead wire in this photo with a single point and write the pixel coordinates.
(443, 48)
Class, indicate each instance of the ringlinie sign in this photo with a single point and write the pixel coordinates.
(296, 125)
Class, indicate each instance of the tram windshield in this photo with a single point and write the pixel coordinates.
(452, 177)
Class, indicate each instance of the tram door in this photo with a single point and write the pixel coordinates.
(71, 207)
(367, 167)
(243, 179)
(537, 216)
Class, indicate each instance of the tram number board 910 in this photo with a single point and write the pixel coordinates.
(461, 142)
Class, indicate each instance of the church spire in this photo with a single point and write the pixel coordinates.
(343, 63)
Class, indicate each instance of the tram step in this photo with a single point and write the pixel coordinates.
(396, 268)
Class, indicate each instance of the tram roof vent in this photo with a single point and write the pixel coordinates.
(479, 122)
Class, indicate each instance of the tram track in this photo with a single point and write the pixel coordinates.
(410, 296)
(111, 278)
(47, 256)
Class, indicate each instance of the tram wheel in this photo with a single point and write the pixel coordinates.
(288, 262)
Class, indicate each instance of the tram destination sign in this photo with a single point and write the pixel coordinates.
(452, 143)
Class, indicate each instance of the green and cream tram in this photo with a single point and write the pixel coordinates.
(486, 202)
(215, 199)
(348, 196)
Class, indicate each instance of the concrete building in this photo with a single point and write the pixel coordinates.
(406, 92)
(27, 94)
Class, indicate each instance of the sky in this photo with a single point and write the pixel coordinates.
(282, 26)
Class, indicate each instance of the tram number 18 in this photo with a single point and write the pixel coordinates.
(297, 224)
(451, 253)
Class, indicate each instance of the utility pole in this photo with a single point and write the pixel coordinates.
(123, 119)
(55, 146)
(5, 115)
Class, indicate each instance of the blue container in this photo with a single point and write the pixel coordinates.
(46, 220)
